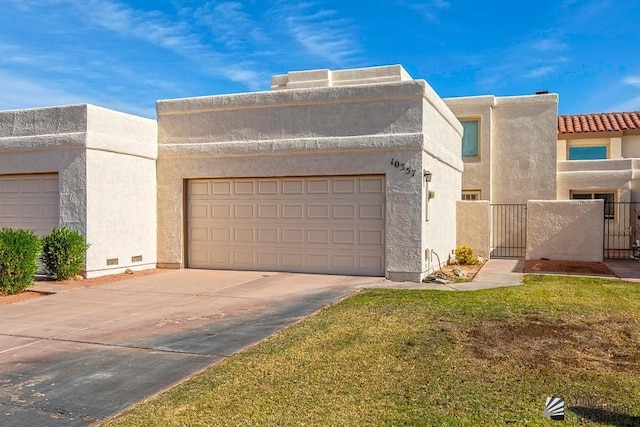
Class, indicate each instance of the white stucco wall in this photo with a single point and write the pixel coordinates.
(474, 226)
(441, 156)
(569, 230)
(346, 130)
(524, 149)
(121, 192)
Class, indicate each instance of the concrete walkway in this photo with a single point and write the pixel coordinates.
(625, 269)
(496, 272)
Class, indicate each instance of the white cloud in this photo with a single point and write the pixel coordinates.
(231, 25)
(632, 104)
(20, 92)
(166, 32)
(538, 72)
(430, 10)
(321, 33)
(549, 45)
(632, 80)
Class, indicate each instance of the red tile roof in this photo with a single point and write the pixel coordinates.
(602, 122)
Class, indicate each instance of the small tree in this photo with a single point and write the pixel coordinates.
(19, 251)
(63, 252)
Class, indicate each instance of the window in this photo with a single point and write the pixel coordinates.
(596, 152)
(470, 194)
(609, 198)
(470, 138)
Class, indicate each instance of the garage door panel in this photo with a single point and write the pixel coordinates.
(269, 187)
(344, 185)
(268, 235)
(267, 259)
(315, 224)
(268, 211)
(29, 202)
(292, 211)
(9, 186)
(244, 211)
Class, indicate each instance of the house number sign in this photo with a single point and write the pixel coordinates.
(403, 167)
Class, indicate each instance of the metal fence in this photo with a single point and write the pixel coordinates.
(621, 230)
(508, 230)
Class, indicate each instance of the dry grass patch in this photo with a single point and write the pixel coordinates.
(388, 357)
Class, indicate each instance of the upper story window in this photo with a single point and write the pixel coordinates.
(470, 138)
(595, 152)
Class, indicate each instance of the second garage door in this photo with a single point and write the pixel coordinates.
(29, 202)
(331, 225)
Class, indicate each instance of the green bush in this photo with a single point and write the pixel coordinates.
(19, 250)
(464, 255)
(63, 252)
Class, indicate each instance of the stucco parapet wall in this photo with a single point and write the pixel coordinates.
(524, 100)
(470, 101)
(312, 113)
(64, 141)
(58, 120)
(295, 98)
(438, 103)
(596, 179)
(332, 78)
(72, 128)
(599, 165)
(295, 146)
(121, 133)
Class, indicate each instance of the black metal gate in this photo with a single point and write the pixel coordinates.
(621, 230)
(508, 230)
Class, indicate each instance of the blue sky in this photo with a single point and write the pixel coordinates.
(126, 54)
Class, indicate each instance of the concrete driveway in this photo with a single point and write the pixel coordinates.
(85, 354)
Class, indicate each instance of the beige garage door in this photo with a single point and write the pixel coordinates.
(29, 201)
(329, 225)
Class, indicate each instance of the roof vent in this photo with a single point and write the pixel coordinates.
(542, 92)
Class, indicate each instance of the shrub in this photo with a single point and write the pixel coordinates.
(464, 255)
(19, 250)
(63, 252)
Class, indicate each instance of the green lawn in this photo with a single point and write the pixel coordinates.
(430, 358)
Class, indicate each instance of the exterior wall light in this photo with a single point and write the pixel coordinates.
(427, 176)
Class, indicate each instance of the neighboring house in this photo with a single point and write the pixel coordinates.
(599, 157)
(88, 168)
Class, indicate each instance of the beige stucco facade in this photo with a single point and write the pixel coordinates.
(105, 164)
(517, 146)
(321, 129)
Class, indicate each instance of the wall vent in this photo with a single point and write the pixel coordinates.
(112, 261)
(136, 258)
